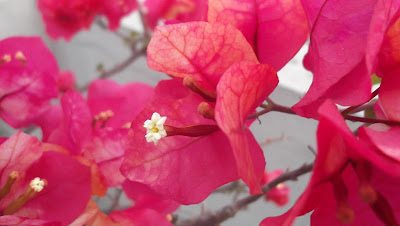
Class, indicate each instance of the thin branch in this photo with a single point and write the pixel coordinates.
(371, 120)
(103, 25)
(147, 33)
(309, 147)
(279, 108)
(258, 114)
(228, 211)
(364, 107)
(119, 67)
(353, 108)
(272, 106)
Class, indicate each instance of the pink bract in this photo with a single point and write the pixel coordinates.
(342, 166)
(275, 29)
(200, 50)
(66, 81)
(83, 132)
(139, 216)
(280, 194)
(185, 169)
(28, 72)
(337, 53)
(146, 198)
(15, 220)
(241, 89)
(75, 129)
(125, 101)
(69, 184)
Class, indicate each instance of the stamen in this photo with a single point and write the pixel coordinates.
(35, 186)
(127, 125)
(280, 186)
(5, 59)
(20, 56)
(206, 110)
(12, 177)
(364, 172)
(367, 193)
(344, 212)
(195, 87)
(102, 117)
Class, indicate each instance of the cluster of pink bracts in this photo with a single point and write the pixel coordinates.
(223, 57)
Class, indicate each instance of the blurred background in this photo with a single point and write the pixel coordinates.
(284, 138)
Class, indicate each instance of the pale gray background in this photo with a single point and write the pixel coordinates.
(87, 49)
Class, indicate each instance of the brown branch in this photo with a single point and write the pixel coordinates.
(372, 120)
(364, 107)
(271, 106)
(231, 187)
(353, 108)
(147, 32)
(104, 26)
(228, 211)
(118, 68)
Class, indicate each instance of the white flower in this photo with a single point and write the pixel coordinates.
(155, 128)
(37, 184)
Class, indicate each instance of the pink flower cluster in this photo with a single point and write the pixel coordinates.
(64, 18)
(176, 143)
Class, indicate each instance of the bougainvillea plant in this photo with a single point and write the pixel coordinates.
(189, 136)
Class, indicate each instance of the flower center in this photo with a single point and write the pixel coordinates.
(5, 59)
(155, 128)
(102, 118)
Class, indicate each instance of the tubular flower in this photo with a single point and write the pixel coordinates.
(195, 139)
(235, 72)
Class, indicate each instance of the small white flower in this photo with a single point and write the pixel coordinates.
(155, 128)
(37, 184)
